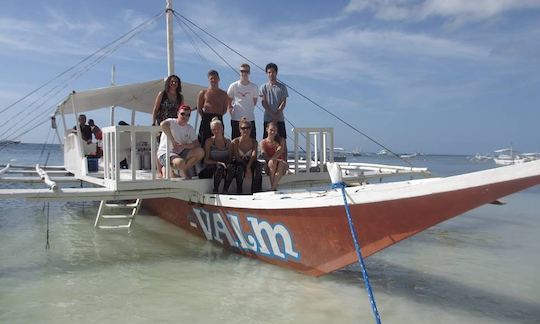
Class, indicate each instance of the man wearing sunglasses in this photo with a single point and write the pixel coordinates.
(185, 150)
(243, 96)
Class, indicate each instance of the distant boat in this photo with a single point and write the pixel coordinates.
(507, 156)
(383, 152)
(356, 152)
(480, 157)
(339, 154)
(408, 156)
(7, 142)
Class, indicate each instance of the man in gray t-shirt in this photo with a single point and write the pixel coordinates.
(274, 98)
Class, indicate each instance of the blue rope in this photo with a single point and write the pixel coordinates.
(359, 253)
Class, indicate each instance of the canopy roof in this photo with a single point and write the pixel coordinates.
(137, 96)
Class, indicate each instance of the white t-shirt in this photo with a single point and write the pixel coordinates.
(182, 134)
(242, 103)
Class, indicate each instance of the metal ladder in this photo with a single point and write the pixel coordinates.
(129, 217)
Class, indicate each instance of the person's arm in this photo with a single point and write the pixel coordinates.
(279, 150)
(157, 104)
(257, 95)
(282, 104)
(194, 140)
(226, 102)
(234, 150)
(192, 145)
(207, 159)
(200, 102)
(263, 151)
(264, 101)
(230, 94)
(166, 128)
(253, 157)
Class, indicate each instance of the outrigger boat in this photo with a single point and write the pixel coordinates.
(301, 226)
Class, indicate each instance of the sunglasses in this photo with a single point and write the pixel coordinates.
(185, 114)
(244, 71)
(245, 128)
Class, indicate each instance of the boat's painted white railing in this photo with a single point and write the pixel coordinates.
(129, 143)
(322, 140)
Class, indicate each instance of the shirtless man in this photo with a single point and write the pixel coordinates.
(212, 102)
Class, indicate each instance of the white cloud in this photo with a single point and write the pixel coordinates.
(457, 12)
(60, 22)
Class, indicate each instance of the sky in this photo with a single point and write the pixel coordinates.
(430, 76)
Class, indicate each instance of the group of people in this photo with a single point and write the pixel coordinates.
(224, 159)
(87, 131)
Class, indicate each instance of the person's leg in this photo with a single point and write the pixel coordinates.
(193, 156)
(231, 174)
(207, 172)
(240, 170)
(282, 167)
(177, 163)
(204, 128)
(265, 134)
(218, 175)
(253, 133)
(272, 168)
(235, 129)
(256, 180)
(282, 131)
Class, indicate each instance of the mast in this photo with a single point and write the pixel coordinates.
(170, 38)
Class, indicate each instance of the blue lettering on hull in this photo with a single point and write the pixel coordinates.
(269, 240)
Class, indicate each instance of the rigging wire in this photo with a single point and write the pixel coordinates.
(44, 145)
(192, 41)
(29, 129)
(296, 91)
(180, 22)
(155, 17)
(103, 53)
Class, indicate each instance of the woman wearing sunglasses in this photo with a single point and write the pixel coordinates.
(244, 163)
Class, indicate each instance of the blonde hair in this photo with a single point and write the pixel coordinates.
(215, 121)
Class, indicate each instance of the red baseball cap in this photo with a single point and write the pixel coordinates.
(184, 107)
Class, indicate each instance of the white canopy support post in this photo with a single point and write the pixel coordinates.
(78, 127)
(112, 115)
(64, 122)
(296, 156)
(4, 170)
(170, 38)
(45, 177)
(55, 127)
(133, 117)
(133, 152)
(153, 151)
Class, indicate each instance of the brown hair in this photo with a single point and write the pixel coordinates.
(244, 121)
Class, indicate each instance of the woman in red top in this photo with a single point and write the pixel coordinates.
(272, 148)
